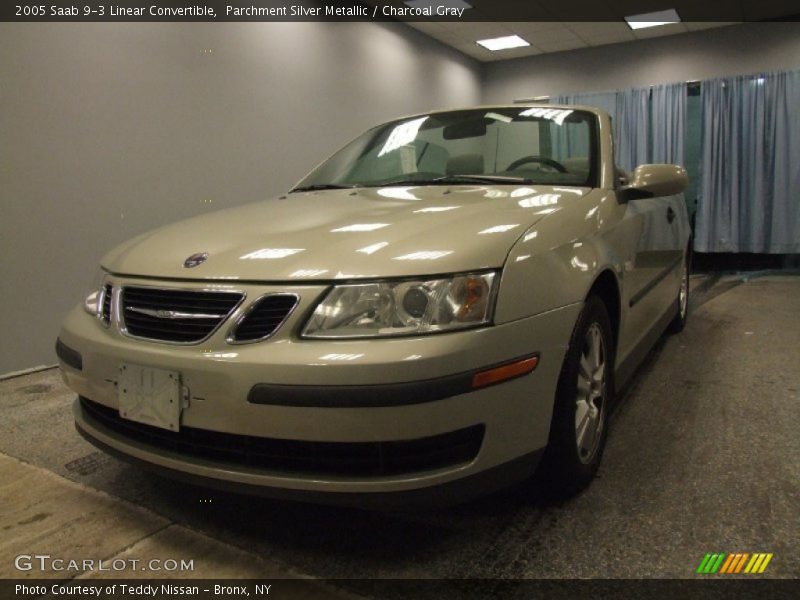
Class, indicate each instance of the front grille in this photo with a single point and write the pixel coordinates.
(264, 317)
(106, 310)
(357, 459)
(179, 316)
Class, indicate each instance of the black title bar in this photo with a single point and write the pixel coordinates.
(378, 10)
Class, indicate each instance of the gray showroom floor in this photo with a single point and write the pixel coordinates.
(702, 457)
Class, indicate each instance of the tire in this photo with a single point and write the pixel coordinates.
(577, 439)
(679, 321)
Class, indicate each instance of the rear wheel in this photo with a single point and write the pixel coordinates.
(679, 321)
(583, 398)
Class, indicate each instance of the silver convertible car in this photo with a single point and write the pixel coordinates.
(444, 305)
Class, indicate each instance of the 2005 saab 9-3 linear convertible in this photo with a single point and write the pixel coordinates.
(445, 303)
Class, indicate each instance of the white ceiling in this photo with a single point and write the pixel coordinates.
(544, 37)
(559, 25)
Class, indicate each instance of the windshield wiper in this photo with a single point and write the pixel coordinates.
(443, 180)
(481, 179)
(455, 179)
(322, 186)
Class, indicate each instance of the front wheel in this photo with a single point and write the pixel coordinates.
(583, 397)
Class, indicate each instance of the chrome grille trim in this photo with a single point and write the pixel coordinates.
(105, 304)
(172, 314)
(242, 319)
(190, 310)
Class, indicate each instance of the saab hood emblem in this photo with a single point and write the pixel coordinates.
(195, 259)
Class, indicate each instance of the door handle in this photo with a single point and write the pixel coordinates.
(670, 215)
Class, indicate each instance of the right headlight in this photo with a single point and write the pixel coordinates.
(404, 307)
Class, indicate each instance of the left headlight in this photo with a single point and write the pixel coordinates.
(404, 307)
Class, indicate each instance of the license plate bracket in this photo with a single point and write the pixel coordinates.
(149, 395)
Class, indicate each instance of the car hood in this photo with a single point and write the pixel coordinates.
(346, 234)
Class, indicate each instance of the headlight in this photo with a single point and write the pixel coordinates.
(404, 307)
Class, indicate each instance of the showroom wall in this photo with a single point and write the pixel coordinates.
(731, 50)
(107, 130)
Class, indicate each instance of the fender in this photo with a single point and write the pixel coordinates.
(543, 272)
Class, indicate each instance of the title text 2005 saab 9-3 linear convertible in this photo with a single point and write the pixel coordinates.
(447, 302)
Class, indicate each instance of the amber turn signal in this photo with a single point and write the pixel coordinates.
(504, 372)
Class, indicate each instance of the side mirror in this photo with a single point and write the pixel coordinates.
(655, 180)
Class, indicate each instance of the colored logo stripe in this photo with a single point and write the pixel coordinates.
(734, 563)
(711, 563)
(727, 564)
(758, 563)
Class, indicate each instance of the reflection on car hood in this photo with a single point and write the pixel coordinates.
(347, 234)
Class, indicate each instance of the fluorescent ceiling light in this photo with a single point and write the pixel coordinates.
(499, 228)
(435, 209)
(498, 117)
(308, 273)
(401, 135)
(424, 255)
(653, 19)
(340, 356)
(371, 249)
(503, 43)
(360, 227)
(271, 253)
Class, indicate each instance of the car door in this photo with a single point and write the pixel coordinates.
(654, 234)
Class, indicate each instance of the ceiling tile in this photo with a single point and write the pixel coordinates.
(596, 29)
(698, 26)
(710, 9)
(475, 51)
(518, 52)
(531, 27)
(446, 36)
(470, 32)
(611, 38)
(660, 31)
(557, 36)
(428, 27)
(562, 45)
(551, 36)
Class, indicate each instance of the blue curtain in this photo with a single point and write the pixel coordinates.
(668, 122)
(605, 100)
(750, 171)
(632, 128)
(630, 115)
(566, 143)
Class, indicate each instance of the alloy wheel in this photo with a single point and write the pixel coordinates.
(684, 293)
(591, 392)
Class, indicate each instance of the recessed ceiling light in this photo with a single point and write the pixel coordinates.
(503, 43)
(653, 19)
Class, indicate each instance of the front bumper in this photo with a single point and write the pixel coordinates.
(219, 378)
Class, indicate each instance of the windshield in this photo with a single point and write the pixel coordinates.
(549, 146)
